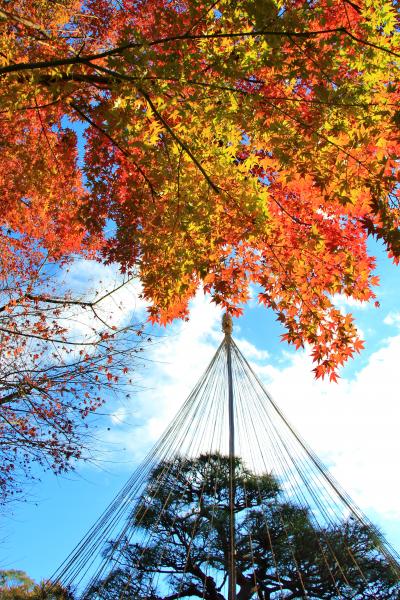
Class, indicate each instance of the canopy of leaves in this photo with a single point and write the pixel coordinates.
(16, 585)
(230, 143)
(280, 552)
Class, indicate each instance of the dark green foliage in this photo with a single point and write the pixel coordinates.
(180, 548)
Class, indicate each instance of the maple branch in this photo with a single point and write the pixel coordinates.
(30, 442)
(8, 15)
(48, 141)
(347, 14)
(116, 75)
(22, 108)
(321, 135)
(313, 60)
(180, 142)
(370, 44)
(73, 60)
(244, 92)
(292, 217)
(107, 294)
(65, 302)
(62, 301)
(114, 142)
(196, 23)
(83, 366)
(178, 192)
(356, 7)
(81, 77)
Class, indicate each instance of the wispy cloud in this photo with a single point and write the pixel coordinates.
(346, 303)
(393, 318)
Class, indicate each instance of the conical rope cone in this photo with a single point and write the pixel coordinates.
(166, 534)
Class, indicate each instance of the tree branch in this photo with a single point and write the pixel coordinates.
(73, 60)
(54, 340)
(67, 301)
(22, 391)
(126, 153)
(181, 143)
(8, 15)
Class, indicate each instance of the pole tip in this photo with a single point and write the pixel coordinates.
(227, 325)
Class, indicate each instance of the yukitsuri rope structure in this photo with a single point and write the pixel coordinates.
(231, 503)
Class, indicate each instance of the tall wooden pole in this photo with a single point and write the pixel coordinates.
(227, 329)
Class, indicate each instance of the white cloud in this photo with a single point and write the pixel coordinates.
(353, 426)
(392, 319)
(346, 303)
(251, 352)
(253, 296)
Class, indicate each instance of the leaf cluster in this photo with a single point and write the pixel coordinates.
(242, 143)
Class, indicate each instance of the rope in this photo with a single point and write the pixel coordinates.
(230, 421)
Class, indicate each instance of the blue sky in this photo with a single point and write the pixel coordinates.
(353, 426)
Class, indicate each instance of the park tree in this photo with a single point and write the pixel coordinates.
(61, 356)
(181, 545)
(216, 145)
(16, 585)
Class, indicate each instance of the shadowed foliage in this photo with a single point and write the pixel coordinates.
(181, 546)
